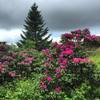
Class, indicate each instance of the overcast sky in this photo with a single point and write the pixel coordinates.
(60, 16)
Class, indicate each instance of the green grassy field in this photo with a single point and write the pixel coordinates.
(95, 57)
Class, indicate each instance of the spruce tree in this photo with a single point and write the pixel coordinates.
(35, 30)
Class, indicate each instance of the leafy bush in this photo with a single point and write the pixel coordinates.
(25, 89)
(28, 89)
(19, 64)
(66, 65)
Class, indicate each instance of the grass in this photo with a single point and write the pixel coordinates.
(95, 57)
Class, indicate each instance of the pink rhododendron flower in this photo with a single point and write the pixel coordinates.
(58, 70)
(70, 43)
(26, 61)
(62, 46)
(68, 36)
(59, 61)
(76, 60)
(64, 62)
(49, 79)
(68, 52)
(46, 64)
(58, 89)
(77, 35)
(12, 74)
(62, 67)
(84, 60)
(58, 75)
(51, 58)
(61, 56)
(45, 51)
(2, 68)
(29, 59)
(43, 85)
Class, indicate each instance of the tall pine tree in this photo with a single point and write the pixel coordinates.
(35, 30)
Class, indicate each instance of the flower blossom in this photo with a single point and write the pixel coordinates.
(12, 74)
(58, 89)
(49, 79)
(64, 62)
(68, 52)
(2, 68)
(68, 36)
(58, 70)
(62, 67)
(58, 75)
(78, 60)
(43, 85)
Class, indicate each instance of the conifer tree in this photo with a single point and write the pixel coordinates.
(35, 30)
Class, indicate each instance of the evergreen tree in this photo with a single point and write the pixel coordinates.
(35, 30)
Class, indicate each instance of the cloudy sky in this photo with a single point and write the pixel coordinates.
(60, 16)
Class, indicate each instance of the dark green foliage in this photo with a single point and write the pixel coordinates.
(35, 30)
(3, 48)
(28, 89)
(24, 89)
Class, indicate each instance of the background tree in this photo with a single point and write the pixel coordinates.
(35, 30)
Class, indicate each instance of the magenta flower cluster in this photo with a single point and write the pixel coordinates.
(26, 61)
(5, 62)
(12, 65)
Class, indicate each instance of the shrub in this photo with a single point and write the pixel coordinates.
(66, 65)
(25, 89)
(19, 64)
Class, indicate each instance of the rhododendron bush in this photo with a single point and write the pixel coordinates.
(66, 65)
(18, 64)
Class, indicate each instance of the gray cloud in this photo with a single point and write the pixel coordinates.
(69, 15)
(13, 12)
(58, 14)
